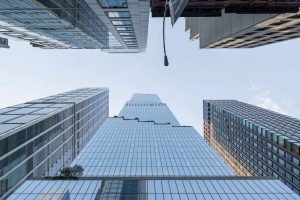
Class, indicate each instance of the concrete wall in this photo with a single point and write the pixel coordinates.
(212, 29)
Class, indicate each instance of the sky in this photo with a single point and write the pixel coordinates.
(267, 76)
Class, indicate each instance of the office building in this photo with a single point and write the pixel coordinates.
(214, 8)
(144, 153)
(113, 26)
(243, 30)
(39, 137)
(254, 141)
(3, 43)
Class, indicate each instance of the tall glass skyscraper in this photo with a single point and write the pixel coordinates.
(110, 25)
(144, 153)
(254, 141)
(37, 138)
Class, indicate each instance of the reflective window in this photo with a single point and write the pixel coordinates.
(118, 14)
(7, 127)
(4, 118)
(129, 28)
(127, 34)
(40, 105)
(4, 110)
(154, 189)
(24, 111)
(24, 119)
(121, 22)
(45, 111)
(113, 3)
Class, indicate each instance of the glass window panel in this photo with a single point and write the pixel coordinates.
(15, 196)
(150, 187)
(158, 187)
(173, 187)
(24, 111)
(118, 14)
(24, 119)
(151, 196)
(4, 110)
(167, 196)
(180, 186)
(121, 22)
(188, 186)
(165, 186)
(23, 105)
(45, 111)
(129, 28)
(207, 197)
(33, 187)
(6, 127)
(40, 105)
(113, 3)
(4, 118)
(127, 33)
(216, 197)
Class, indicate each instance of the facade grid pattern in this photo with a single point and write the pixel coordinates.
(145, 157)
(37, 138)
(264, 142)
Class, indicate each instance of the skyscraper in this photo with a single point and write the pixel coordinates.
(37, 138)
(144, 153)
(243, 30)
(214, 8)
(254, 141)
(113, 26)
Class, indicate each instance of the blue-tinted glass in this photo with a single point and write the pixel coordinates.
(113, 3)
(121, 22)
(118, 14)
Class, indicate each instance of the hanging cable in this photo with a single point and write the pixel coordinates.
(166, 62)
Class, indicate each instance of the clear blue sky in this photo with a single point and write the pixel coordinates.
(267, 76)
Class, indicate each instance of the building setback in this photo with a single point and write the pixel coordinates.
(113, 26)
(144, 154)
(254, 141)
(243, 30)
(37, 138)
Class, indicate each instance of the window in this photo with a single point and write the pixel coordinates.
(295, 148)
(118, 14)
(128, 37)
(275, 138)
(127, 34)
(113, 3)
(269, 135)
(287, 145)
(289, 166)
(129, 28)
(281, 152)
(296, 161)
(296, 171)
(7, 127)
(25, 119)
(281, 141)
(121, 22)
(4, 118)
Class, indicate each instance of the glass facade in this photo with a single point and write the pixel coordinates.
(159, 189)
(37, 138)
(144, 154)
(77, 23)
(73, 23)
(113, 3)
(254, 141)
